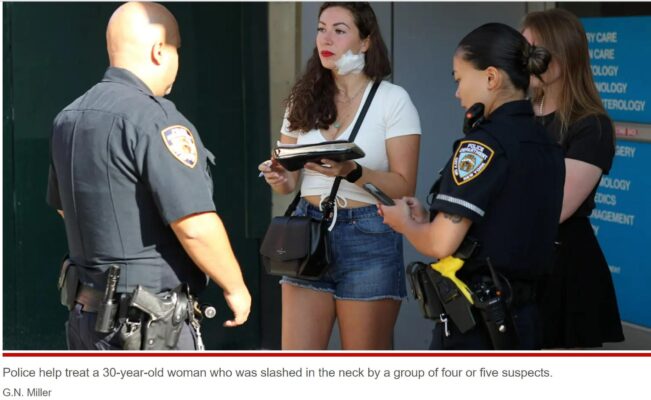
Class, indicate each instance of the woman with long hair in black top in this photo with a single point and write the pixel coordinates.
(577, 301)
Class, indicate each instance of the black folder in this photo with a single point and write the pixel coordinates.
(293, 157)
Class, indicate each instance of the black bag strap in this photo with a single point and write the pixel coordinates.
(293, 205)
(329, 204)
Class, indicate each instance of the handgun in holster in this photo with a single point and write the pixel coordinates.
(439, 292)
(161, 319)
(422, 288)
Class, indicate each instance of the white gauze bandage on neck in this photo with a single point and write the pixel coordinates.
(350, 62)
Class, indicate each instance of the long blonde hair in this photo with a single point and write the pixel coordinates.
(560, 32)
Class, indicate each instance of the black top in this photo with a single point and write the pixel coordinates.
(507, 177)
(124, 164)
(590, 140)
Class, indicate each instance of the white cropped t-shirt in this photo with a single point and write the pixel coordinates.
(391, 114)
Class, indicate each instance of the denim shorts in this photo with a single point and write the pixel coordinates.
(366, 257)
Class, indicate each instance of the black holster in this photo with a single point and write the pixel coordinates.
(422, 288)
(154, 322)
(68, 283)
(493, 296)
(438, 296)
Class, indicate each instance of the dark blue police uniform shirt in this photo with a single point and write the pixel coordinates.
(507, 177)
(124, 165)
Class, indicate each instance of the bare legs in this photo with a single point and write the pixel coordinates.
(308, 317)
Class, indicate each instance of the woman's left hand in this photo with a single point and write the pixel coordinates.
(332, 168)
(398, 216)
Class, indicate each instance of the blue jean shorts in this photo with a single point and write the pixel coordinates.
(366, 257)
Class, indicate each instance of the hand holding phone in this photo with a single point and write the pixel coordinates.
(378, 194)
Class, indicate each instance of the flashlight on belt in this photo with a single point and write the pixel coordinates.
(108, 307)
(204, 310)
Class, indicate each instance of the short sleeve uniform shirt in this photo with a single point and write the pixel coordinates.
(506, 176)
(124, 165)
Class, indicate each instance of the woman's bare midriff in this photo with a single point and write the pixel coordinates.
(315, 200)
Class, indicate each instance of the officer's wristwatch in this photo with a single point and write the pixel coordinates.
(355, 174)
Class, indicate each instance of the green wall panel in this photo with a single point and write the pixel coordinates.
(53, 52)
(8, 226)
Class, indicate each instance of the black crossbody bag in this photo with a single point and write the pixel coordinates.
(297, 246)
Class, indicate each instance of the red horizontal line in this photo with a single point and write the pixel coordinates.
(328, 354)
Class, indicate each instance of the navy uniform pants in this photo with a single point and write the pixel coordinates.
(525, 317)
(81, 334)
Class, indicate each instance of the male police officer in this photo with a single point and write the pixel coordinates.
(130, 175)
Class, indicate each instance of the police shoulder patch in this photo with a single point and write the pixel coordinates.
(180, 143)
(470, 160)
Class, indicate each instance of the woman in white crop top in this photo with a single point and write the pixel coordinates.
(365, 282)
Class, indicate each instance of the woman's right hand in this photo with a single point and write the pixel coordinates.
(418, 212)
(396, 216)
(274, 173)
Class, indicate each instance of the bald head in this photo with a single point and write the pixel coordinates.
(140, 37)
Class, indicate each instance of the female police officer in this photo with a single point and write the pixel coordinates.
(502, 187)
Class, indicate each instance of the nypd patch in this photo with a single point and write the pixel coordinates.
(470, 160)
(180, 143)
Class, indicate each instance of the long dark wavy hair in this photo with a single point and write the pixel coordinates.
(312, 99)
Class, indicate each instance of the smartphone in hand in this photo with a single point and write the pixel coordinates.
(378, 194)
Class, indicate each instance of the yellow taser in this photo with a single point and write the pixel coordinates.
(448, 268)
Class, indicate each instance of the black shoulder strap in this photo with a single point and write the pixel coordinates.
(362, 113)
(329, 204)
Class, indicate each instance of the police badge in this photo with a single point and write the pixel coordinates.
(180, 143)
(470, 160)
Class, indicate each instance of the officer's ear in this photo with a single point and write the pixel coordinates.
(494, 78)
(157, 53)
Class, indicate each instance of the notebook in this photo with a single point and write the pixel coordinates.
(293, 156)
